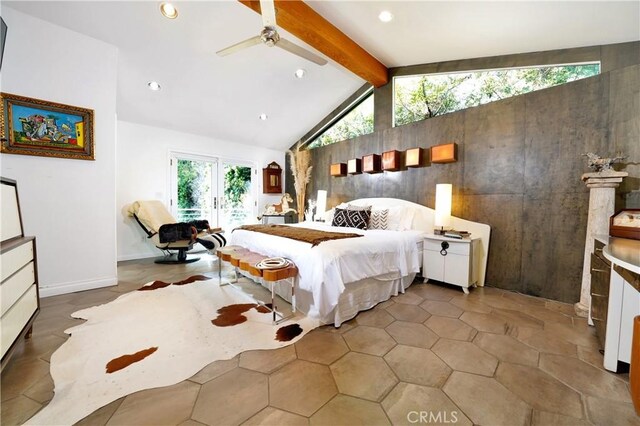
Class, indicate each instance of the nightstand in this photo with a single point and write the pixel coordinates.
(278, 218)
(450, 260)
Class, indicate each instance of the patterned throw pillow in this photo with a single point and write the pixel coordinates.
(379, 219)
(351, 218)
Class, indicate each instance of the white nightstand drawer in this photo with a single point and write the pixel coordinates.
(456, 247)
(15, 259)
(16, 286)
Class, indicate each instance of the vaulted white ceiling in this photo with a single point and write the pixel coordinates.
(222, 97)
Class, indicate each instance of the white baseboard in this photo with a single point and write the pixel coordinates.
(73, 287)
(197, 249)
(138, 256)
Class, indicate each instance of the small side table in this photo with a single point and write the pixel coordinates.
(450, 260)
(277, 218)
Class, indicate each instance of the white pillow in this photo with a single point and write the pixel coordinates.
(328, 216)
(357, 207)
(401, 218)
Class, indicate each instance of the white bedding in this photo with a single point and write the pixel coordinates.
(324, 270)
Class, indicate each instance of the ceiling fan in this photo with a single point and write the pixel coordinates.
(269, 36)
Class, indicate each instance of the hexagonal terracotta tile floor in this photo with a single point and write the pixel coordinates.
(407, 312)
(490, 357)
(321, 347)
(412, 404)
(444, 309)
(302, 387)
(369, 340)
(364, 376)
(417, 365)
(267, 361)
(465, 356)
(347, 410)
(412, 334)
(451, 328)
(232, 398)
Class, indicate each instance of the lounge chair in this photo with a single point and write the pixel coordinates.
(152, 215)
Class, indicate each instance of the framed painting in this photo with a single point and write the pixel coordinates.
(48, 129)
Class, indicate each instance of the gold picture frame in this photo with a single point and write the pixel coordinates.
(32, 126)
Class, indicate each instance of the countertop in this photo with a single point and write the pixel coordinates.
(623, 252)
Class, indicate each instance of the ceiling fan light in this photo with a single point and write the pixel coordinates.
(385, 16)
(263, 116)
(154, 85)
(168, 10)
(300, 73)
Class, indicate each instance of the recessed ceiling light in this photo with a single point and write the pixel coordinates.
(263, 116)
(300, 73)
(385, 16)
(154, 85)
(169, 10)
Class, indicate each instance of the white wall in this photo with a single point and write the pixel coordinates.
(69, 205)
(143, 174)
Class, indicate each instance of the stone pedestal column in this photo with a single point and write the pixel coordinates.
(602, 194)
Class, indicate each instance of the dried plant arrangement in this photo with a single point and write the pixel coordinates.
(300, 160)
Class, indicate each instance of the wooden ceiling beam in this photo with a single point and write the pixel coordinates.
(309, 26)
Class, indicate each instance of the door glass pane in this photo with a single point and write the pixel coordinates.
(238, 206)
(195, 190)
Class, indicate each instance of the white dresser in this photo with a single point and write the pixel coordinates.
(624, 299)
(19, 297)
(450, 260)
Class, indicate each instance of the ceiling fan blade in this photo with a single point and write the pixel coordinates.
(303, 53)
(268, 12)
(239, 46)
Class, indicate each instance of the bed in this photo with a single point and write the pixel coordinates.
(339, 278)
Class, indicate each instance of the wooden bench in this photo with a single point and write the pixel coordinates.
(243, 259)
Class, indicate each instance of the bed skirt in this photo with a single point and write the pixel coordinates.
(357, 296)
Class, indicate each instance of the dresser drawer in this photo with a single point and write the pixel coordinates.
(17, 317)
(15, 259)
(601, 331)
(600, 276)
(454, 247)
(15, 286)
(598, 246)
(599, 307)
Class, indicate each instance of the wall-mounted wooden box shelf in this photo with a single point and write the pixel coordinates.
(414, 157)
(371, 163)
(391, 160)
(445, 153)
(339, 169)
(354, 166)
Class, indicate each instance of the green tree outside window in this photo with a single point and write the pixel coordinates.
(421, 97)
(357, 122)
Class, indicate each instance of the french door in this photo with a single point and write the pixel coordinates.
(219, 190)
(194, 188)
(239, 194)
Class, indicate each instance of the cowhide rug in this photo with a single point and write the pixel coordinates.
(156, 336)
